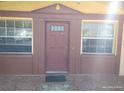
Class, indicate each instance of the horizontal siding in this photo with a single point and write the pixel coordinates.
(15, 64)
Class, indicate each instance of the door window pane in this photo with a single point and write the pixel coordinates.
(59, 28)
(56, 28)
(51, 27)
(62, 28)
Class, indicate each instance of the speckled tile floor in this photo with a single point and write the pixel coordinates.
(73, 83)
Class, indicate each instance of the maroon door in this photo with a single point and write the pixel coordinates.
(56, 46)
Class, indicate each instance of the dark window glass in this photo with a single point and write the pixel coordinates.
(28, 32)
(2, 32)
(10, 23)
(27, 24)
(19, 24)
(19, 41)
(15, 48)
(108, 50)
(10, 31)
(27, 41)
(2, 23)
(109, 43)
(23, 32)
(98, 30)
(92, 49)
(97, 45)
(85, 48)
(86, 42)
(99, 49)
(10, 40)
(19, 32)
(2, 40)
(92, 42)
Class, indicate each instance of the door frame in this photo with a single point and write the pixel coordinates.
(68, 63)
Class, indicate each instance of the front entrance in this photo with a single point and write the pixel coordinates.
(56, 47)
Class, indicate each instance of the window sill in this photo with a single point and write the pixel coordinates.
(90, 53)
(97, 54)
(15, 53)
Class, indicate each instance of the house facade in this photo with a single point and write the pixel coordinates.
(60, 40)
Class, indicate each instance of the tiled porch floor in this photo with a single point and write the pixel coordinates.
(73, 83)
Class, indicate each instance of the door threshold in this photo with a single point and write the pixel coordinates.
(56, 72)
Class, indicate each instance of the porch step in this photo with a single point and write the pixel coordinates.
(55, 78)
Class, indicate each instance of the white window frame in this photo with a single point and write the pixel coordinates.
(114, 48)
(18, 18)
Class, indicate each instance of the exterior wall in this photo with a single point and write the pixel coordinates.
(103, 64)
(121, 70)
(35, 63)
(119, 44)
(15, 64)
(78, 63)
(74, 47)
(98, 64)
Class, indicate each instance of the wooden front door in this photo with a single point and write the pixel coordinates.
(56, 46)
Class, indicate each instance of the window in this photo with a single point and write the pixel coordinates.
(56, 28)
(15, 35)
(98, 37)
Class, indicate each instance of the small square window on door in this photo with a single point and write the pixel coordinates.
(56, 28)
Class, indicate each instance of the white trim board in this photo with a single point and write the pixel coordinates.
(56, 72)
